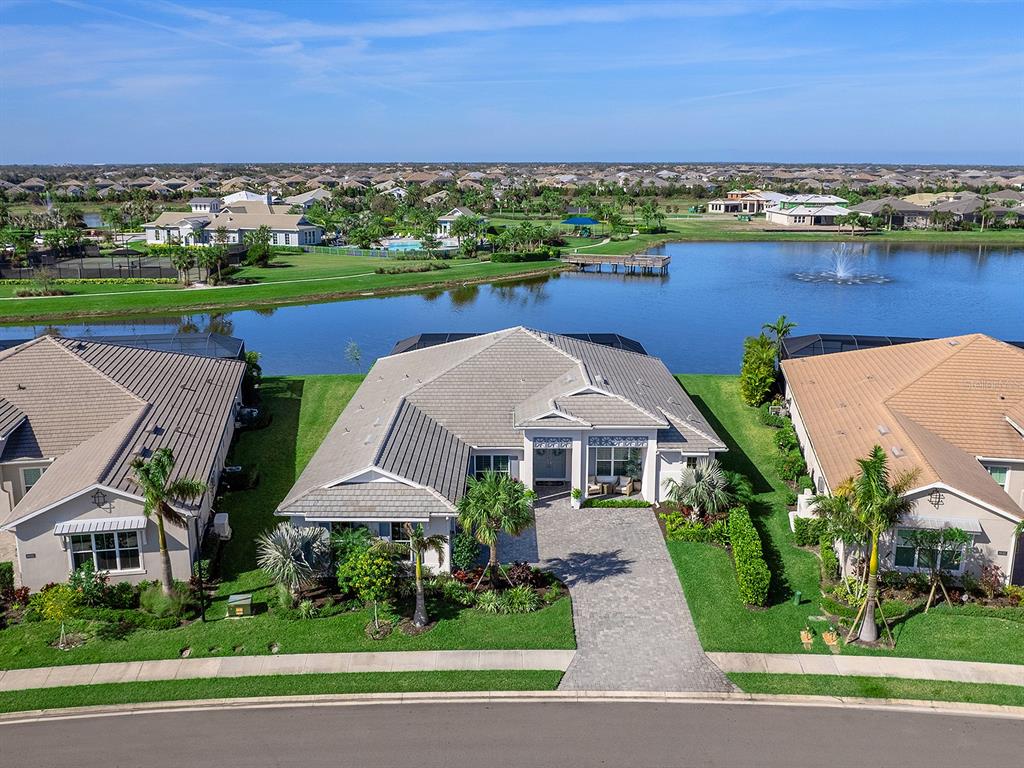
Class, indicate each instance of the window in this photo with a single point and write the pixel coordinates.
(30, 476)
(156, 234)
(274, 238)
(691, 461)
(106, 551)
(924, 558)
(999, 474)
(614, 462)
(486, 463)
(287, 238)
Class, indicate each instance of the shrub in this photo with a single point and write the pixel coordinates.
(518, 258)
(6, 579)
(1014, 593)
(678, 527)
(465, 551)
(752, 574)
(829, 560)
(620, 503)
(552, 594)
(740, 487)
(153, 601)
(757, 372)
(349, 544)
(90, 585)
(804, 483)
(100, 281)
(991, 580)
(521, 599)
(454, 591)
(807, 531)
(121, 595)
(718, 533)
(786, 439)
(791, 465)
(401, 269)
(768, 418)
(488, 602)
(308, 610)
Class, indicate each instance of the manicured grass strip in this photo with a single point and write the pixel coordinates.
(879, 688)
(278, 685)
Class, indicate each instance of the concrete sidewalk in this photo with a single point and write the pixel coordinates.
(284, 664)
(870, 666)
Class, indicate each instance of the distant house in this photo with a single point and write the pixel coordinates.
(951, 410)
(806, 215)
(444, 223)
(906, 215)
(553, 411)
(74, 415)
(236, 218)
(307, 199)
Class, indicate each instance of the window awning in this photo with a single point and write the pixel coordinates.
(100, 525)
(966, 524)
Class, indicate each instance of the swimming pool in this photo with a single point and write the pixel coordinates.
(405, 245)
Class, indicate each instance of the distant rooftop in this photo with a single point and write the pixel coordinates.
(215, 345)
(814, 344)
(424, 340)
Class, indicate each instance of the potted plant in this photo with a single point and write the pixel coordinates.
(577, 496)
(806, 637)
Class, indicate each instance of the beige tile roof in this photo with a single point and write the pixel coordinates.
(932, 405)
(93, 407)
(418, 413)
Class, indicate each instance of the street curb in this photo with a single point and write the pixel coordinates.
(521, 697)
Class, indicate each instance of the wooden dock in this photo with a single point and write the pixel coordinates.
(645, 264)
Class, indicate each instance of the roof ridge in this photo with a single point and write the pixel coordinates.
(900, 417)
(56, 341)
(957, 349)
(115, 455)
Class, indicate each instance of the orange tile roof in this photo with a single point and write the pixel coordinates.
(932, 405)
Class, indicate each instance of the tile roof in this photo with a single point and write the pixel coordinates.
(932, 405)
(418, 414)
(93, 407)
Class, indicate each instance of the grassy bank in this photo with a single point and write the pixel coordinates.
(707, 576)
(278, 685)
(879, 688)
(302, 411)
(295, 278)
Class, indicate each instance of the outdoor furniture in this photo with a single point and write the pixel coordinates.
(594, 487)
(623, 485)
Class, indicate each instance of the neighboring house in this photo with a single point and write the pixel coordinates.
(906, 215)
(74, 415)
(238, 219)
(307, 199)
(205, 204)
(208, 344)
(554, 411)
(745, 201)
(806, 215)
(444, 223)
(952, 409)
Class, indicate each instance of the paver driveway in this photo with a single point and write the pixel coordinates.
(633, 629)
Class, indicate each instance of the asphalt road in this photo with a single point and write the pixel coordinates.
(518, 734)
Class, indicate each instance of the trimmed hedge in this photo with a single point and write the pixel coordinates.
(807, 531)
(518, 258)
(6, 577)
(97, 281)
(752, 574)
(631, 503)
(829, 560)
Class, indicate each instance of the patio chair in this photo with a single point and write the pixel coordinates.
(624, 485)
(594, 487)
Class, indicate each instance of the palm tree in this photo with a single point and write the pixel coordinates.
(418, 546)
(294, 555)
(495, 503)
(158, 491)
(985, 212)
(780, 329)
(703, 488)
(864, 507)
(887, 212)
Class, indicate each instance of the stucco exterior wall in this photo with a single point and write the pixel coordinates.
(43, 560)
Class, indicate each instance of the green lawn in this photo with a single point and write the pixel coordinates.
(706, 572)
(879, 688)
(278, 685)
(302, 410)
(294, 278)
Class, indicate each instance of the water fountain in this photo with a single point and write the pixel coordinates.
(842, 271)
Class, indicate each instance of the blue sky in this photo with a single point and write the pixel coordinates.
(771, 80)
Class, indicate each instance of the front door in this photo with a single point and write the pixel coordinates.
(549, 463)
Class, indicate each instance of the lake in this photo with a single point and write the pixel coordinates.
(695, 318)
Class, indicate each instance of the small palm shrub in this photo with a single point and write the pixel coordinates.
(521, 599)
(154, 601)
(294, 556)
(488, 602)
(308, 610)
(454, 591)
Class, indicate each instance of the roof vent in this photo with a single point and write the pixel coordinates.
(883, 430)
(368, 439)
(376, 422)
(953, 342)
(898, 452)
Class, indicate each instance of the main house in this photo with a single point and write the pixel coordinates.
(236, 218)
(74, 415)
(557, 412)
(951, 410)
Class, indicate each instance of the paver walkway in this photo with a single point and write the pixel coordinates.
(633, 628)
(284, 664)
(870, 666)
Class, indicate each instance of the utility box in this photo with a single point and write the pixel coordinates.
(239, 605)
(221, 527)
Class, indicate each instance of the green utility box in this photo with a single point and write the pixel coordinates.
(239, 605)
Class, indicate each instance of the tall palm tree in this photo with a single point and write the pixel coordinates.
(493, 504)
(867, 505)
(158, 491)
(703, 488)
(418, 546)
(887, 212)
(985, 212)
(780, 329)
